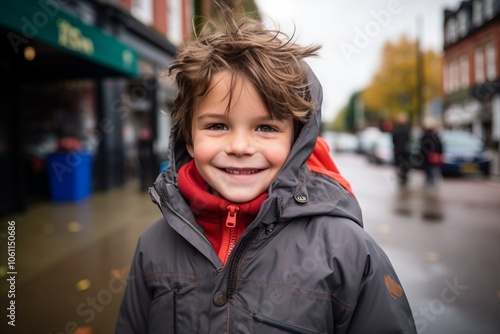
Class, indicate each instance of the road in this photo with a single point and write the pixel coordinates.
(444, 243)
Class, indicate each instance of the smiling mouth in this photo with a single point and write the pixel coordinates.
(241, 171)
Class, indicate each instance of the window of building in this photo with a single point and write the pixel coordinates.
(464, 71)
(446, 78)
(454, 75)
(451, 75)
(489, 9)
(477, 13)
(174, 21)
(143, 10)
(491, 61)
(462, 23)
(479, 65)
(451, 36)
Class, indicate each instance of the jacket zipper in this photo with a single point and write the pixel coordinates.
(280, 325)
(229, 233)
(233, 268)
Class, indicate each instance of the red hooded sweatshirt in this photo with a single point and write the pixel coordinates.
(224, 222)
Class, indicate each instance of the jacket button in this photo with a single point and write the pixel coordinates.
(301, 198)
(220, 298)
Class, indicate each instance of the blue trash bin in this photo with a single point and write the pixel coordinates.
(70, 176)
(163, 166)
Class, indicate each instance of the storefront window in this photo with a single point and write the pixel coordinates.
(55, 111)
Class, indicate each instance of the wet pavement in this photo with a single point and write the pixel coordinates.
(444, 243)
(72, 259)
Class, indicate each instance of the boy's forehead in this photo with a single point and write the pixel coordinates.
(225, 80)
(228, 87)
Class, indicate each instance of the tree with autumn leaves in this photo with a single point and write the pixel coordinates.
(393, 87)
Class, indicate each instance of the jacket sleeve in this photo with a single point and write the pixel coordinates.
(382, 306)
(134, 310)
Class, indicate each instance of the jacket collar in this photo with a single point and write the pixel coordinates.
(208, 207)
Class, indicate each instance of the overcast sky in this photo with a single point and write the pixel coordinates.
(352, 34)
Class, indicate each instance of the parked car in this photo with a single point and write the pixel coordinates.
(463, 154)
(341, 141)
(367, 138)
(346, 142)
(329, 137)
(382, 150)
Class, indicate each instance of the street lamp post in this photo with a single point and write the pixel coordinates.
(419, 74)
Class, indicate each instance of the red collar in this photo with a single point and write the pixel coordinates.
(214, 213)
(321, 162)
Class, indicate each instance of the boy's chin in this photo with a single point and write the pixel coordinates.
(236, 197)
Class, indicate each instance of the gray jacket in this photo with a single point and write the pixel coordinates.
(304, 265)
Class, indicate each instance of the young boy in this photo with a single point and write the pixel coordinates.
(260, 232)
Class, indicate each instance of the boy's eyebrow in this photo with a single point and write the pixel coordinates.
(266, 118)
(211, 115)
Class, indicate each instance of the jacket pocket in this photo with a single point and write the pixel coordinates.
(164, 311)
(281, 325)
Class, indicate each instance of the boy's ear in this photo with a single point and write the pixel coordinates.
(190, 150)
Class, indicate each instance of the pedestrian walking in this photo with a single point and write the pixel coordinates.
(261, 233)
(401, 141)
(431, 151)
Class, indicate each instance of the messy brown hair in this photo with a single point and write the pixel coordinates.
(243, 46)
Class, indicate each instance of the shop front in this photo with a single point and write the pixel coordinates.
(66, 66)
(476, 110)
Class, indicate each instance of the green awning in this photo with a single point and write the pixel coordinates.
(46, 21)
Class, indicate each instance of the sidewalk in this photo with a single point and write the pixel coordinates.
(72, 260)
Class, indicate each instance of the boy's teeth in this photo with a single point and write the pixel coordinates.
(237, 172)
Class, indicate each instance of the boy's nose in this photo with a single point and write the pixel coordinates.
(240, 143)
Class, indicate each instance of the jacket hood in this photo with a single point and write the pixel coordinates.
(293, 193)
(330, 194)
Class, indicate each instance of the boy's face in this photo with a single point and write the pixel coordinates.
(238, 153)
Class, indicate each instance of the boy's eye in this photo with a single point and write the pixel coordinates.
(266, 128)
(217, 127)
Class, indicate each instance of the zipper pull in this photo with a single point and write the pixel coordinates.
(231, 215)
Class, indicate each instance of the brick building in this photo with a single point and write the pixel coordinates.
(471, 68)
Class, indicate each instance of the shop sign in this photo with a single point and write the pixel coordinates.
(72, 38)
(46, 21)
